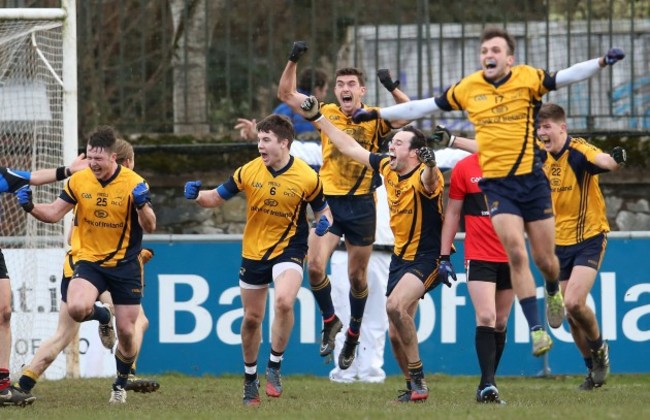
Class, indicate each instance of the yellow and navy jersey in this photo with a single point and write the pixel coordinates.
(578, 202)
(504, 116)
(106, 228)
(415, 214)
(340, 174)
(276, 218)
(68, 265)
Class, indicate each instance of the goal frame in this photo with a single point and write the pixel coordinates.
(68, 81)
(67, 13)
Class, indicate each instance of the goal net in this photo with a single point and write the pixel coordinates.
(32, 137)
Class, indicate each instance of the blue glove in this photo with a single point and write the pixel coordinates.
(323, 226)
(192, 189)
(445, 270)
(141, 195)
(24, 196)
(613, 56)
(361, 115)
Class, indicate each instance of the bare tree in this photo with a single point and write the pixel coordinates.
(192, 34)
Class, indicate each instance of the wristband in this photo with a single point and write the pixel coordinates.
(452, 139)
(62, 173)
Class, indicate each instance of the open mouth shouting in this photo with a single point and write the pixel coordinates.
(490, 64)
(347, 99)
(545, 139)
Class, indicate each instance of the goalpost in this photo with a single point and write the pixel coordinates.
(38, 129)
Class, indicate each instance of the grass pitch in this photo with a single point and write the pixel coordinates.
(308, 397)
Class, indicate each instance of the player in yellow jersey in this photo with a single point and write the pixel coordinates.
(67, 327)
(10, 181)
(278, 188)
(349, 187)
(112, 209)
(414, 187)
(502, 101)
(572, 166)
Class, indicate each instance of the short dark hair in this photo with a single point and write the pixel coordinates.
(352, 71)
(104, 137)
(311, 78)
(280, 125)
(494, 32)
(553, 112)
(418, 140)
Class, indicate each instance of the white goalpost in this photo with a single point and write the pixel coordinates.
(38, 129)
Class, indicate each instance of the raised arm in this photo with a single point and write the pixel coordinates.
(443, 136)
(586, 69)
(429, 176)
(310, 109)
(612, 161)
(47, 176)
(409, 111)
(398, 96)
(287, 91)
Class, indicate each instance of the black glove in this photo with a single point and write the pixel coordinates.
(361, 115)
(386, 80)
(443, 136)
(619, 154)
(427, 156)
(613, 56)
(298, 50)
(311, 109)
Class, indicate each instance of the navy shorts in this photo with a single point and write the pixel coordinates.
(589, 253)
(4, 274)
(492, 272)
(424, 267)
(355, 216)
(527, 196)
(125, 282)
(260, 273)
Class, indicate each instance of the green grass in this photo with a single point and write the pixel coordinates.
(307, 397)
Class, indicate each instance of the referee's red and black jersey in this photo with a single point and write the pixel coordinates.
(481, 241)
